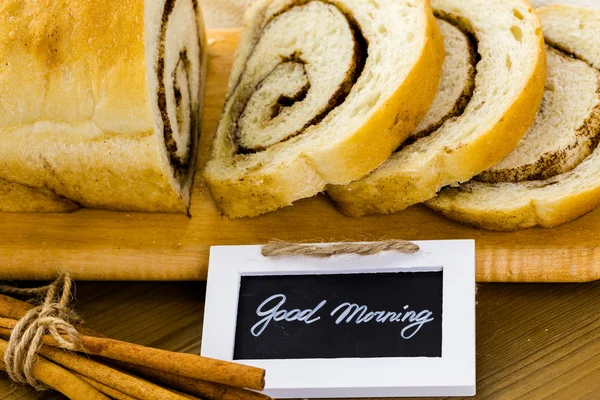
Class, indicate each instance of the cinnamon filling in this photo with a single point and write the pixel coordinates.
(460, 103)
(279, 104)
(186, 122)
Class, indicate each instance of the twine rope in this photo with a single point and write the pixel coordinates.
(51, 317)
(278, 249)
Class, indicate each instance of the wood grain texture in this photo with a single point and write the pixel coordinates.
(101, 245)
(533, 341)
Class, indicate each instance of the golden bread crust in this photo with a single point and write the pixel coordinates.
(64, 62)
(522, 212)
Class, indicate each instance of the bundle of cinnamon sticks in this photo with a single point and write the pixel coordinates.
(124, 371)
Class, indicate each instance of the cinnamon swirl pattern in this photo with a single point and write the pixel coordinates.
(178, 83)
(100, 112)
(321, 91)
(552, 176)
(286, 94)
(495, 86)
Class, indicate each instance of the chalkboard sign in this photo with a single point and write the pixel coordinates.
(340, 316)
(383, 325)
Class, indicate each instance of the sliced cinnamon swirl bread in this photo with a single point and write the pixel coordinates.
(551, 177)
(320, 92)
(508, 89)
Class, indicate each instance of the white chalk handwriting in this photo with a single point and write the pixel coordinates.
(274, 313)
(349, 313)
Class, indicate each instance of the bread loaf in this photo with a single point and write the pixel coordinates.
(320, 92)
(509, 82)
(551, 178)
(20, 198)
(100, 103)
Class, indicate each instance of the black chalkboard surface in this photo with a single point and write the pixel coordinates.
(360, 315)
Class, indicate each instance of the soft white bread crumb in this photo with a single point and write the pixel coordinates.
(457, 82)
(580, 3)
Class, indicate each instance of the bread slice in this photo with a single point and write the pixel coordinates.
(509, 86)
(320, 92)
(564, 131)
(570, 114)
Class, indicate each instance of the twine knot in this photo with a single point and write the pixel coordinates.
(52, 317)
(278, 249)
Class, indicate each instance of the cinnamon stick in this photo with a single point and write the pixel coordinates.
(59, 379)
(115, 394)
(182, 364)
(13, 308)
(188, 365)
(16, 309)
(203, 389)
(125, 383)
(107, 390)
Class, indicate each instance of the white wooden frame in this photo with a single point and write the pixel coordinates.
(451, 375)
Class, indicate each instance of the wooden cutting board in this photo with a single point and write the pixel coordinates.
(102, 245)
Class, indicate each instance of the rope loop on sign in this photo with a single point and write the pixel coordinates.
(280, 248)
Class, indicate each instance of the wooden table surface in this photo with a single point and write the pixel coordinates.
(534, 341)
